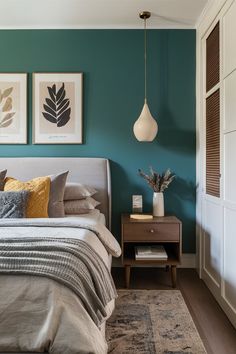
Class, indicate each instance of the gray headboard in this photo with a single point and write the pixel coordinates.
(94, 172)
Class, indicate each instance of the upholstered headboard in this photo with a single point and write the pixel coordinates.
(94, 172)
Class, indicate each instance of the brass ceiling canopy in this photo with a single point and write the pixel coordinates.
(145, 14)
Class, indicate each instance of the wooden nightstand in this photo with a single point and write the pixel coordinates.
(166, 230)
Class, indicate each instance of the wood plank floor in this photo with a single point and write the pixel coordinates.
(216, 331)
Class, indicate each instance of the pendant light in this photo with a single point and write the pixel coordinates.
(145, 128)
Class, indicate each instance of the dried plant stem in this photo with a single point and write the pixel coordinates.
(157, 182)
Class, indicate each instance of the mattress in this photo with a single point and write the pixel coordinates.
(51, 309)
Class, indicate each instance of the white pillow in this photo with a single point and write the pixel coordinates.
(82, 206)
(78, 191)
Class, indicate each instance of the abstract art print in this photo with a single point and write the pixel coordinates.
(13, 108)
(57, 108)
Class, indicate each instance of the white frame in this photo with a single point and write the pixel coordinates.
(65, 138)
(21, 136)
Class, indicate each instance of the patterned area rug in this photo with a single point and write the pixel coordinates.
(152, 322)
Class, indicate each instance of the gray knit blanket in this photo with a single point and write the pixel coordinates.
(69, 261)
(98, 229)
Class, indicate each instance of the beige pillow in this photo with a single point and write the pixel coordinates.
(57, 189)
(78, 191)
(37, 206)
(82, 206)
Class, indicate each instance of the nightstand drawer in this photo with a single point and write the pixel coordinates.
(151, 232)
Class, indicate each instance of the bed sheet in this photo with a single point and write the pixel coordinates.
(94, 214)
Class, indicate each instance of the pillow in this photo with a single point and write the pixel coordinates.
(82, 206)
(57, 188)
(39, 189)
(13, 204)
(2, 179)
(78, 191)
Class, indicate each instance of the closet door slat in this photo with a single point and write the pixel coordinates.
(213, 58)
(213, 144)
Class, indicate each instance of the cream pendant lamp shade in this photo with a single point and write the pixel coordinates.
(145, 128)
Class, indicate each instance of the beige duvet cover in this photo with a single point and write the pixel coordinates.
(40, 315)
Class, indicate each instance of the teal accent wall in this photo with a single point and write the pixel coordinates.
(112, 63)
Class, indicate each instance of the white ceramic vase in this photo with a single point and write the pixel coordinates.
(158, 204)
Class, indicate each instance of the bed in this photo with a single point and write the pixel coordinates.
(41, 314)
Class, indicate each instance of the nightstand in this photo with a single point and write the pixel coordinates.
(166, 231)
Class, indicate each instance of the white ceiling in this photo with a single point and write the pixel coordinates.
(99, 13)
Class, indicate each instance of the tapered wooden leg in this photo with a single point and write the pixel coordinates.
(173, 276)
(127, 275)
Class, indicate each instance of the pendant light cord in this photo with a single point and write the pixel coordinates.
(145, 61)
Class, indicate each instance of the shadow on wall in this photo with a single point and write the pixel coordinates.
(187, 189)
(179, 199)
(124, 185)
(175, 201)
(172, 137)
(121, 185)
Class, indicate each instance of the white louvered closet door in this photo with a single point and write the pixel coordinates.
(212, 201)
(229, 166)
(219, 159)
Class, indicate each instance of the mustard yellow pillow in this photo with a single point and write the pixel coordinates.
(37, 206)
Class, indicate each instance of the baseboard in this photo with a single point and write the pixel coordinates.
(188, 261)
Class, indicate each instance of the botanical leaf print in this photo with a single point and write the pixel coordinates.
(6, 116)
(7, 92)
(57, 107)
(8, 105)
(7, 120)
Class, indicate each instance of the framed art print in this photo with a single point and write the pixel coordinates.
(13, 108)
(57, 108)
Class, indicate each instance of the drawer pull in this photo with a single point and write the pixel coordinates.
(152, 231)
